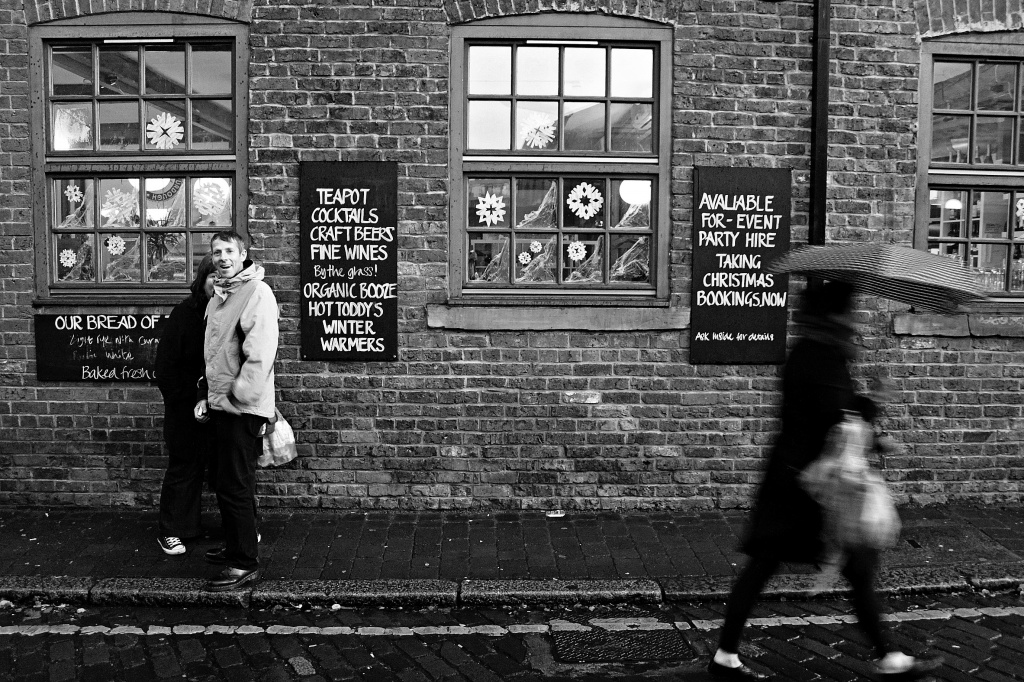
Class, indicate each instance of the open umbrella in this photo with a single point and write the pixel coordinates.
(924, 280)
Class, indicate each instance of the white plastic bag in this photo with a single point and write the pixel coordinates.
(278, 443)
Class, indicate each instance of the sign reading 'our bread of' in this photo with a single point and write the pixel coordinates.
(118, 348)
(348, 267)
(740, 223)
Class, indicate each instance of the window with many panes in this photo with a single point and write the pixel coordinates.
(560, 158)
(143, 152)
(971, 189)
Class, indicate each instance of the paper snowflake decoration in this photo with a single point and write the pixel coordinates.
(165, 131)
(536, 246)
(490, 209)
(68, 258)
(577, 250)
(209, 197)
(73, 194)
(1020, 210)
(116, 204)
(525, 258)
(115, 245)
(585, 200)
(537, 130)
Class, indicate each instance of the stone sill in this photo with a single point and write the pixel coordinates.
(571, 318)
(968, 324)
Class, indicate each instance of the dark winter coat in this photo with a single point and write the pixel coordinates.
(179, 357)
(816, 388)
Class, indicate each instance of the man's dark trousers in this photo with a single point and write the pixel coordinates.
(238, 445)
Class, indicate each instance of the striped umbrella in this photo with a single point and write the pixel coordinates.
(923, 280)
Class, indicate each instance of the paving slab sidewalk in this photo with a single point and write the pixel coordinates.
(480, 559)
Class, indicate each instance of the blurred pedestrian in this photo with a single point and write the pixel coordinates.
(786, 524)
(240, 348)
(179, 366)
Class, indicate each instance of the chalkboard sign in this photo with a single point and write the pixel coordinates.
(740, 223)
(348, 267)
(97, 347)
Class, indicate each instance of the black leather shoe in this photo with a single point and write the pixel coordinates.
(721, 672)
(922, 668)
(217, 556)
(232, 578)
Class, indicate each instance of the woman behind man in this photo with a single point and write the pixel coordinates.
(179, 365)
(786, 524)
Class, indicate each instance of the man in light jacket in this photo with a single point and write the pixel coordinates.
(239, 349)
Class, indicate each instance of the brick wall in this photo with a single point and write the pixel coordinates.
(564, 418)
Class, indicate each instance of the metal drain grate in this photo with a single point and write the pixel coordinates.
(607, 647)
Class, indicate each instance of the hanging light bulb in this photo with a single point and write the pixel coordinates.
(635, 192)
(953, 204)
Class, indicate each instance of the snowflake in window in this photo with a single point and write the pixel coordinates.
(68, 258)
(585, 200)
(115, 245)
(165, 131)
(210, 196)
(524, 258)
(1020, 210)
(577, 250)
(536, 246)
(490, 209)
(73, 193)
(117, 204)
(537, 130)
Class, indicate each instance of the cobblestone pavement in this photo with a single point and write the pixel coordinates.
(980, 634)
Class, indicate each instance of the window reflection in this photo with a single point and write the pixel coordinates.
(71, 71)
(632, 73)
(996, 86)
(213, 124)
(994, 140)
(537, 71)
(489, 125)
(72, 127)
(584, 126)
(631, 127)
(165, 70)
(952, 85)
(119, 71)
(490, 70)
(584, 70)
(951, 136)
(119, 126)
(211, 70)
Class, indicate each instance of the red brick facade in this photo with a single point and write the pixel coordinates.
(570, 418)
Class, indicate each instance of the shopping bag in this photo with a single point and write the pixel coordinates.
(278, 443)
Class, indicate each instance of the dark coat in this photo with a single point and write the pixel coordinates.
(179, 357)
(816, 388)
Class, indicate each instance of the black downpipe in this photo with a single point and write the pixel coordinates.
(819, 123)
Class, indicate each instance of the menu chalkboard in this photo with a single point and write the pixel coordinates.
(97, 347)
(348, 264)
(740, 223)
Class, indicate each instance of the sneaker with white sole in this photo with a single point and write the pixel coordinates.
(171, 545)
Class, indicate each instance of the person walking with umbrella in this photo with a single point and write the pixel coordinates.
(787, 525)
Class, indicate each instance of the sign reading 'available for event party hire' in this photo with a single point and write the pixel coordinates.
(348, 267)
(740, 223)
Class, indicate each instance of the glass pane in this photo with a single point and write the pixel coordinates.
(119, 71)
(72, 127)
(71, 71)
(584, 204)
(200, 242)
(946, 213)
(1017, 268)
(989, 263)
(582, 259)
(74, 200)
(119, 126)
(165, 257)
(631, 259)
(165, 202)
(213, 124)
(632, 73)
(488, 257)
(630, 204)
(212, 203)
(996, 86)
(76, 258)
(537, 125)
(535, 257)
(489, 202)
(990, 215)
(120, 202)
(165, 124)
(950, 138)
(536, 204)
(119, 257)
(584, 72)
(952, 87)
(583, 125)
(631, 127)
(489, 125)
(165, 70)
(490, 70)
(537, 71)
(994, 141)
(211, 70)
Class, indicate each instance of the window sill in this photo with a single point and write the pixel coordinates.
(976, 324)
(113, 305)
(481, 317)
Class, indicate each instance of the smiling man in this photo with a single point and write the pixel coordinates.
(240, 347)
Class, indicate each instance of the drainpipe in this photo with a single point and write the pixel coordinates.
(819, 123)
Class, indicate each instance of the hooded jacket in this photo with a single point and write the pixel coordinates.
(240, 374)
